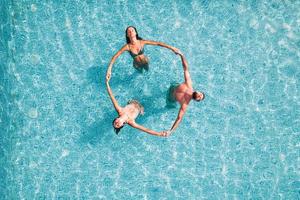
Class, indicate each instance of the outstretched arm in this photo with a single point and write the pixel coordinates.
(179, 117)
(108, 73)
(187, 76)
(113, 99)
(149, 131)
(175, 50)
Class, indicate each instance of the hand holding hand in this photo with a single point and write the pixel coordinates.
(166, 133)
(108, 77)
(177, 51)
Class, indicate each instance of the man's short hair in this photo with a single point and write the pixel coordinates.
(195, 96)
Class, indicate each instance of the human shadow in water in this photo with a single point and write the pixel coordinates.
(100, 131)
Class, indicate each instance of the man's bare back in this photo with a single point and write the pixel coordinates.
(183, 94)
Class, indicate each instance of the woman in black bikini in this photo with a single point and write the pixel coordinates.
(135, 46)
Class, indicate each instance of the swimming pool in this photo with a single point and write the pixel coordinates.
(56, 137)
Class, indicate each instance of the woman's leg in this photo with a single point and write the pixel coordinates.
(138, 67)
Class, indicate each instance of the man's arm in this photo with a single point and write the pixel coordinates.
(113, 99)
(179, 117)
(186, 72)
(149, 131)
(175, 50)
(108, 73)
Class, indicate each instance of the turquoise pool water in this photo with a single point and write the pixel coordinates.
(242, 142)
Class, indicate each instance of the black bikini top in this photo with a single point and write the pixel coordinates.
(139, 53)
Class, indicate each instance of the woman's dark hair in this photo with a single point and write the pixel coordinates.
(195, 96)
(117, 130)
(137, 35)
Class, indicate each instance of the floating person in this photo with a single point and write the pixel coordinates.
(128, 114)
(135, 46)
(182, 93)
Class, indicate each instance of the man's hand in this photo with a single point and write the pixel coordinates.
(177, 51)
(165, 133)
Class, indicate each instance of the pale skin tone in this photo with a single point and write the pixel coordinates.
(128, 115)
(184, 93)
(135, 46)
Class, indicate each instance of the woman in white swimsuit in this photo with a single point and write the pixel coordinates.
(128, 114)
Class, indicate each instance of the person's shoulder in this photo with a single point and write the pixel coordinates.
(125, 47)
(131, 122)
(121, 110)
(184, 85)
(142, 41)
